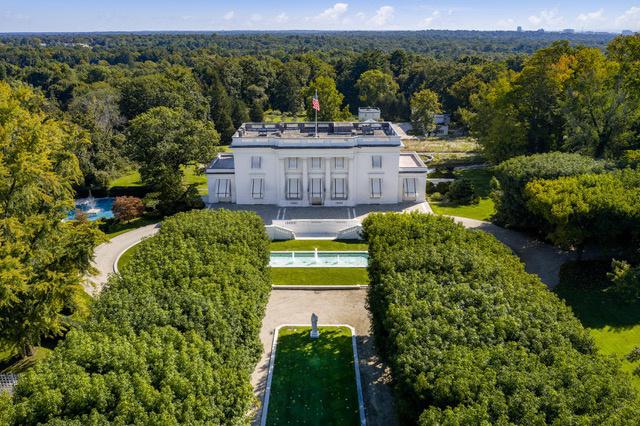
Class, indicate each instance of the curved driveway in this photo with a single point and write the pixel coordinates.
(107, 253)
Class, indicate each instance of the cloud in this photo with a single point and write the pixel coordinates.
(383, 15)
(256, 17)
(229, 15)
(282, 18)
(589, 17)
(548, 18)
(630, 19)
(333, 13)
(429, 19)
(506, 23)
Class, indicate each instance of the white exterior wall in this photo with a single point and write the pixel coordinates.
(358, 171)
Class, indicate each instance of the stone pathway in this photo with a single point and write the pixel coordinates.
(107, 253)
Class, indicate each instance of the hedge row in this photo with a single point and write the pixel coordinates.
(593, 208)
(512, 176)
(173, 340)
(471, 338)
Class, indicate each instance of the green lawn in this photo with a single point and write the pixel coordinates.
(313, 380)
(614, 326)
(481, 179)
(120, 228)
(127, 255)
(10, 363)
(319, 276)
(190, 177)
(322, 245)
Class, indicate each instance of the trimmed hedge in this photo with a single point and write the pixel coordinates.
(511, 177)
(471, 338)
(173, 340)
(593, 208)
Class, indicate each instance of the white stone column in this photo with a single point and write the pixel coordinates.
(352, 181)
(327, 179)
(305, 182)
(282, 179)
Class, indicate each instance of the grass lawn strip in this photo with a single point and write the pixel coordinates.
(321, 245)
(313, 381)
(615, 326)
(481, 179)
(319, 276)
(124, 257)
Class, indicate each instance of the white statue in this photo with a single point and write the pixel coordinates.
(314, 327)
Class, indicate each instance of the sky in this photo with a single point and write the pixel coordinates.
(164, 15)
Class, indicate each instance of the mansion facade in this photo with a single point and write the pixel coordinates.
(333, 164)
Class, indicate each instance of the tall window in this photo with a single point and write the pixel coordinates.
(223, 189)
(338, 163)
(257, 188)
(376, 161)
(375, 187)
(294, 190)
(292, 163)
(409, 188)
(316, 163)
(256, 162)
(339, 189)
(316, 188)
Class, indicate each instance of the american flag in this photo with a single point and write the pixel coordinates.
(315, 103)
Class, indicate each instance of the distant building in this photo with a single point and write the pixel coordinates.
(519, 29)
(442, 124)
(540, 30)
(343, 164)
(368, 113)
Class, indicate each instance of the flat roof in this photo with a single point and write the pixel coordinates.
(302, 130)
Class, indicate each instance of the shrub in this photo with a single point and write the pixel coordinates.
(126, 208)
(512, 176)
(171, 340)
(471, 338)
(436, 196)
(462, 191)
(443, 187)
(626, 281)
(630, 158)
(591, 208)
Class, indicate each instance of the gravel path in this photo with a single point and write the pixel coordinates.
(332, 307)
(107, 253)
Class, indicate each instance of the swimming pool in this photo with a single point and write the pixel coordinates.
(319, 259)
(96, 208)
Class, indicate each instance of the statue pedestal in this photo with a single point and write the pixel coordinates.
(314, 334)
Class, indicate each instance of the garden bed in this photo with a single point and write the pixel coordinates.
(313, 381)
(319, 276)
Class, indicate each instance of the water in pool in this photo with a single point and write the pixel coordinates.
(315, 259)
(95, 208)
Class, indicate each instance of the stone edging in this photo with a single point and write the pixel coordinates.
(267, 391)
(115, 262)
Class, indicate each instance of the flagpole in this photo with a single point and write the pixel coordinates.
(316, 115)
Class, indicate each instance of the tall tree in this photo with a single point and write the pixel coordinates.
(598, 111)
(329, 97)
(42, 259)
(424, 105)
(163, 141)
(377, 88)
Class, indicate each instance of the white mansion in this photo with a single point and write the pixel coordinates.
(340, 164)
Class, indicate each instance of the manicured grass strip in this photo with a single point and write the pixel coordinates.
(127, 255)
(481, 211)
(481, 179)
(190, 177)
(615, 326)
(319, 276)
(121, 228)
(313, 380)
(322, 245)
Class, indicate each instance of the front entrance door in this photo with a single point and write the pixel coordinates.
(316, 192)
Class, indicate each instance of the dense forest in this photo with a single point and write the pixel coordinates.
(104, 83)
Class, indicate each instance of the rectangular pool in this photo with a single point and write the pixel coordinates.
(319, 259)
